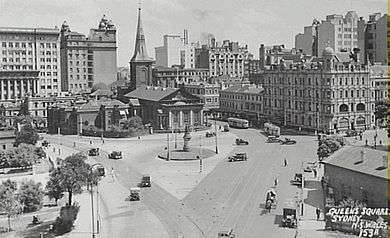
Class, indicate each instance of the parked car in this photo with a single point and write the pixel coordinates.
(93, 152)
(241, 142)
(225, 128)
(238, 157)
(297, 180)
(134, 194)
(289, 218)
(350, 133)
(273, 139)
(288, 141)
(210, 134)
(45, 143)
(115, 155)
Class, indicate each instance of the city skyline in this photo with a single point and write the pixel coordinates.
(249, 22)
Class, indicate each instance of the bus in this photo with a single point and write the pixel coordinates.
(238, 123)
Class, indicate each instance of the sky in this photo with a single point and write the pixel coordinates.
(250, 22)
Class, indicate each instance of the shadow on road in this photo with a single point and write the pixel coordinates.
(278, 220)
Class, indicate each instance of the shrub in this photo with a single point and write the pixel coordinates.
(64, 223)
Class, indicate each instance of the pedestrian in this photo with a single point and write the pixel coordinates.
(361, 137)
(366, 142)
(318, 212)
(380, 142)
(315, 173)
(285, 162)
(112, 173)
(90, 142)
(139, 137)
(59, 151)
(276, 182)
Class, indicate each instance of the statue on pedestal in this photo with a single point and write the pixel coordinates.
(187, 138)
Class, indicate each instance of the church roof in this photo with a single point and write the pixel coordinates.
(140, 52)
(94, 105)
(151, 93)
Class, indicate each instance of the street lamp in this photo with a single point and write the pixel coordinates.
(215, 128)
(97, 201)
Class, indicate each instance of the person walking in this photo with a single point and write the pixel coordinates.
(318, 212)
(276, 182)
(285, 162)
(315, 173)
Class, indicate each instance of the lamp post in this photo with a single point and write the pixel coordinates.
(215, 128)
(168, 146)
(97, 202)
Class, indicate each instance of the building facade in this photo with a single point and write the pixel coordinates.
(376, 39)
(242, 101)
(87, 61)
(140, 64)
(32, 49)
(173, 77)
(341, 33)
(352, 171)
(15, 85)
(170, 54)
(208, 93)
(330, 95)
(166, 108)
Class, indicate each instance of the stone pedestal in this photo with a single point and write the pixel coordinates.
(186, 138)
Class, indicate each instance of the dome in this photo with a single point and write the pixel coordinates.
(328, 51)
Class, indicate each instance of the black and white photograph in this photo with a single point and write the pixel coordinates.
(194, 118)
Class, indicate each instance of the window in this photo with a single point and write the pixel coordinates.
(343, 108)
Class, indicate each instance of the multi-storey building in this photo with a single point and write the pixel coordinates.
(338, 32)
(376, 39)
(243, 101)
(208, 93)
(27, 51)
(380, 82)
(15, 85)
(227, 58)
(86, 61)
(329, 94)
(269, 55)
(172, 77)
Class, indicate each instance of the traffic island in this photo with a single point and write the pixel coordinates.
(181, 155)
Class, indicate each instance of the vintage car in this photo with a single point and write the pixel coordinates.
(241, 142)
(225, 128)
(288, 141)
(134, 194)
(273, 139)
(93, 152)
(297, 180)
(145, 182)
(289, 218)
(210, 134)
(45, 143)
(238, 157)
(115, 155)
(226, 234)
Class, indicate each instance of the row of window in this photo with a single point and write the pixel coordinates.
(12, 67)
(315, 81)
(27, 45)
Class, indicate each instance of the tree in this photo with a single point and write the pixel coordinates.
(30, 195)
(22, 156)
(27, 135)
(38, 121)
(115, 116)
(323, 151)
(3, 118)
(24, 108)
(100, 120)
(72, 175)
(53, 186)
(133, 122)
(9, 202)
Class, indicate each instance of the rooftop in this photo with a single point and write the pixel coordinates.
(38, 30)
(348, 158)
(252, 89)
(151, 93)
(96, 104)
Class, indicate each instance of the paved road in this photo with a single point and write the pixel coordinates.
(231, 196)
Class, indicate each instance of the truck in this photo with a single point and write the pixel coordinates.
(145, 182)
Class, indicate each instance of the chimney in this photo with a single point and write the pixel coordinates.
(384, 161)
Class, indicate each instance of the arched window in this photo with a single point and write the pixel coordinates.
(343, 108)
(360, 107)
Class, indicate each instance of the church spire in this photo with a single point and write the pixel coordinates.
(140, 53)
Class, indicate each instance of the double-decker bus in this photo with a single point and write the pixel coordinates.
(238, 123)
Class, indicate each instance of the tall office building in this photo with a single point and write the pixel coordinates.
(376, 39)
(25, 53)
(339, 32)
(86, 61)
